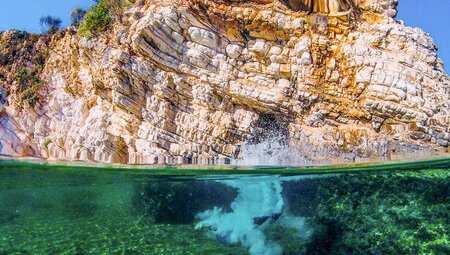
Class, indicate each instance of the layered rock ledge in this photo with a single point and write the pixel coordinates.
(192, 81)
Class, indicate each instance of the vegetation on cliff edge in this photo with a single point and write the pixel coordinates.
(100, 17)
(22, 60)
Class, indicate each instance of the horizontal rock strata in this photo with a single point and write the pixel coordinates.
(192, 81)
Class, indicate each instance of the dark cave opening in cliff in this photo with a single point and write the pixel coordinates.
(320, 6)
(269, 126)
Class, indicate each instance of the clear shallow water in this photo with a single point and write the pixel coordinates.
(391, 208)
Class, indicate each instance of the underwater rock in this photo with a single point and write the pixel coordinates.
(180, 202)
(373, 213)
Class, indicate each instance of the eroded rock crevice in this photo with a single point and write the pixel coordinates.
(321, 6)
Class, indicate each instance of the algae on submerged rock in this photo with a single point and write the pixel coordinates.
(390, 213)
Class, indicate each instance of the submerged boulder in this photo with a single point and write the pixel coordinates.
(180, 202)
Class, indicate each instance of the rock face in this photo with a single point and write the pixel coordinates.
(191, 81)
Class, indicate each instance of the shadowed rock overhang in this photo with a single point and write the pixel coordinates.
(321, 6)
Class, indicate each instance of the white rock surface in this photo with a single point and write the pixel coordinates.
(175, 88)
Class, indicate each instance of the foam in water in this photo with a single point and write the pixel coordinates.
(259, 203)
(276, 151)
(268, 152)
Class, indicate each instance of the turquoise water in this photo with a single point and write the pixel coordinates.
(390, 208)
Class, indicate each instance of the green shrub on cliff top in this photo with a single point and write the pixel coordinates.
(101, 16)
(96, 20)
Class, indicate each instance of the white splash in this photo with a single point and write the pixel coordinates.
(276, 151)
(259, 203)
(273, 151)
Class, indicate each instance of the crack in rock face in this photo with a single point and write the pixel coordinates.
(321, 6)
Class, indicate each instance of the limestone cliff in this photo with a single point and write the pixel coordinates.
(190, 81)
